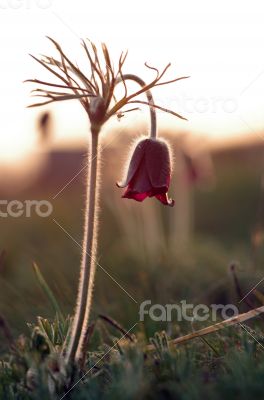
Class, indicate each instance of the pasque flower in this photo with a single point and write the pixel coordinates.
(149, 172)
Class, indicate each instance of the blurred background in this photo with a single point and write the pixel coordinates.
(153, 252)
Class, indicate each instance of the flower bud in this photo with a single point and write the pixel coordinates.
(149, 172)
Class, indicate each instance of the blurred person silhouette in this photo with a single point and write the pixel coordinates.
(44, 124)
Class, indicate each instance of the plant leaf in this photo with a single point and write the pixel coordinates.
(46, 289)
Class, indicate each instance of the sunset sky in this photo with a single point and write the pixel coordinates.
(219, 44)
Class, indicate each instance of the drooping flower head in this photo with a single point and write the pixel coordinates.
(149, 172)
(150, 168)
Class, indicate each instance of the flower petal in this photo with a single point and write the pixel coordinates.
(130, 194)
(140, 186)
(165, 200)
(158, 163)
(134, 164)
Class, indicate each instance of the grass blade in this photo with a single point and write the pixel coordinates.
(46, 289)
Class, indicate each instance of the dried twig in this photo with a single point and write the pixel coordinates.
(216, 327)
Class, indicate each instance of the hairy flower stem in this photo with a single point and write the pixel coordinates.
(153, 118)
(88, 263)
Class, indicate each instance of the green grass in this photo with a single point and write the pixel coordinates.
(137, 250)
(227, 365)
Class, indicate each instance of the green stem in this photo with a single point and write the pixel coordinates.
(88, 263)
(153, 117)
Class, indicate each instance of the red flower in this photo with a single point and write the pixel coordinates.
(149, 172)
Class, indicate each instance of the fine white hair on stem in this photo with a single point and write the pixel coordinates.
(153, 116)
(88, 262)
(93, 259)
